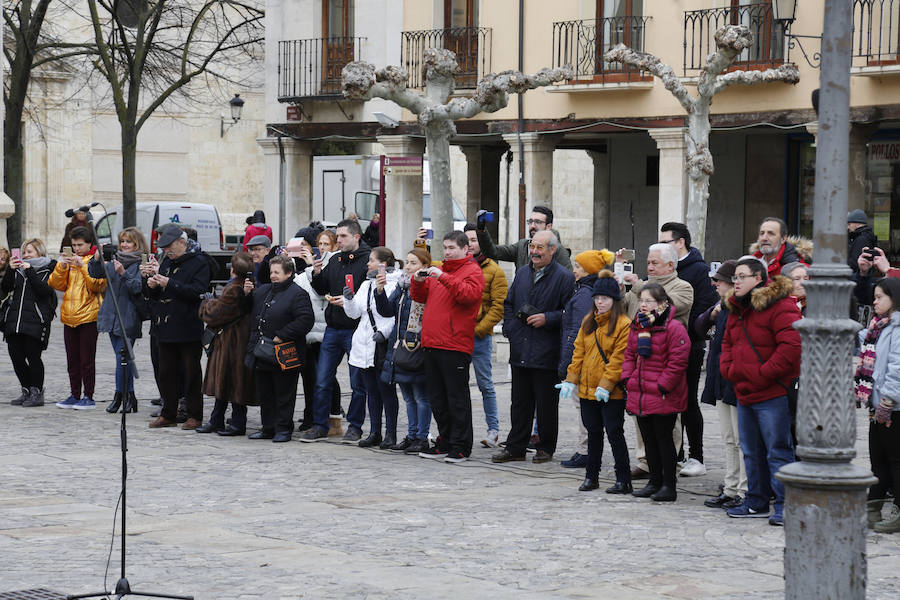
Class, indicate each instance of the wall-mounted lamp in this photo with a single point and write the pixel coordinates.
(237, 105)
(385, 120)
(785, 13)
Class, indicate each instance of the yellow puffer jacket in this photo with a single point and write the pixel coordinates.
(495, 289)
(82, 294)
(588, 369)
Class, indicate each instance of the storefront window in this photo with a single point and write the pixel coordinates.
(883, 202)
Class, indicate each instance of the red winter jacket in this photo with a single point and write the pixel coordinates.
(657, 385)
(254, 230)
(768, 318)
(452, 303)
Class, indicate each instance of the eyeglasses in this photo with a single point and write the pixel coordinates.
(537, 246)
(669, 241)
(740, 278)
(648, 302)
(535, 222)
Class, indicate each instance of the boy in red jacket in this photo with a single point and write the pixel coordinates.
(452, 297)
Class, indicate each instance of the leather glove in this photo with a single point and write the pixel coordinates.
(566, 390)
(602, 394)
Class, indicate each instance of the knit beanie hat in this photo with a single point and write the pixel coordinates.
(855, 216)
(309, 234)
(606, 285)
(593, 261)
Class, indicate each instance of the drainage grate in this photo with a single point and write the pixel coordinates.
(38, 594)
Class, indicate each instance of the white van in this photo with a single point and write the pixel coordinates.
(204, 218)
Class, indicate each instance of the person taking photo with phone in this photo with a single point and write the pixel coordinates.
(82, 296)
(27, 314)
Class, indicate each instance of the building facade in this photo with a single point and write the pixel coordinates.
(606, 149)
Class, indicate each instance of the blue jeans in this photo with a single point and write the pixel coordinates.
(481, 360)
(124, 375)
(381, 396)
(335, 344)
(765, 435)
(418, 409)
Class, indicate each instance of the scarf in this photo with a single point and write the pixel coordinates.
(642, 324)
(862, 380)
(128, 258)
(38, 262)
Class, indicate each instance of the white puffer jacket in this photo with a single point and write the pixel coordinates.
(303, 279)
(362, 351)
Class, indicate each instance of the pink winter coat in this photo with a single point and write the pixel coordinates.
(657, 385)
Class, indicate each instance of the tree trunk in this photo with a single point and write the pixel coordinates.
(437, 144)
(700, 167)
(129, 172)
(14, 174)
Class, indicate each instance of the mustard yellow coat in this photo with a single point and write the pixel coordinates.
(82, 294)
(588, 370)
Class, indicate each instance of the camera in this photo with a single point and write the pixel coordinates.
(482, 217)
(422, 273)
(525, 311)
(868, 255)
(109, 252)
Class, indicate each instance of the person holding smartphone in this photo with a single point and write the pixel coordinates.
(27, 317)
(123, 276)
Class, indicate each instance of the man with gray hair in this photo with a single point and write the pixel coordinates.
(662, 261)
(532, 314)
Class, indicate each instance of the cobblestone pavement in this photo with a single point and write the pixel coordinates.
(230, 518)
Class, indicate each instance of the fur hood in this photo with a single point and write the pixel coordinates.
(761, 298)
(803, 246)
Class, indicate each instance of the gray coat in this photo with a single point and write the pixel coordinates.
(886, 374)
(125, 287)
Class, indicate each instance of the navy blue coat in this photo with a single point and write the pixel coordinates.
(537, 347)
(175, 310)
(397, 305)
(579, 305)
(716, 387)
(695, 271)
(126, 288)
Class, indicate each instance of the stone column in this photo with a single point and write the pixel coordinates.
(402, 195)
(538, 160)
(601, 199)
(483, 182)
(288, 186)
(673, 179)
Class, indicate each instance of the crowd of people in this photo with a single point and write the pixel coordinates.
(583, 329)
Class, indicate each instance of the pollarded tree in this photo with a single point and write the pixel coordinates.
(731, 40)
(361, 81)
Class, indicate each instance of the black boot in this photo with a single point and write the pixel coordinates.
(620, 487)
(115, 404)
(666, 493)
(130, 403)
(373, 439)
(389, 440)
(590, 483)
(646, 491)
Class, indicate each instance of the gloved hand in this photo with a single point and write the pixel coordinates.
(566, 390)
(348, 293)
(602, 394)
(883, 412)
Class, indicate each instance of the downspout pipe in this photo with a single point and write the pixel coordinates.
(521, 124)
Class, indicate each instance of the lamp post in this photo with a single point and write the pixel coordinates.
(237, 106)
(825, 524)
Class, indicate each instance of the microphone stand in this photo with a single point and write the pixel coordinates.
(126, 360)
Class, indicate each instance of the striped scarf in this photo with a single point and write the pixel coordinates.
(862, 381)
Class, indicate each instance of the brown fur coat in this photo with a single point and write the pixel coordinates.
(226, 376)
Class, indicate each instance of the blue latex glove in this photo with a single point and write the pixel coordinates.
(602, 394)
(566, 390)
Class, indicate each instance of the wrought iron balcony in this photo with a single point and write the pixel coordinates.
(876, 32)
(582, 45)
(472, 46)
(311, 69)
(769, 47)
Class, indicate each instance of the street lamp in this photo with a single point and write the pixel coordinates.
(784, 12)
(237, 105)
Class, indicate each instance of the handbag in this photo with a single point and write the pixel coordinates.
(380, 341)
(283, 355)
(408, 354)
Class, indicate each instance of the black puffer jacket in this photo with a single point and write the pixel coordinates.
(693, 269)
(280, 310)
(331, 281)
(175, 309)
(32, 305)
(863, 237)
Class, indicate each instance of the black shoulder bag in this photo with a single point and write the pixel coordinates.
(377, 336)
(408, 354)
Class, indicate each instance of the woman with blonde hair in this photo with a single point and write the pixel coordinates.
(123, 277)
(27, 317)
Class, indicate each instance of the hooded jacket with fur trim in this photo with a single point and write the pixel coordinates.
(766, 318)
(795, 249)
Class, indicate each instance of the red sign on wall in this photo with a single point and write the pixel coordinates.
(294, 114)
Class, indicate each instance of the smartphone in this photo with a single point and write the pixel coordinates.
(143, 259)
(316, 254)
(16, 253)
(429, 234)
(67, 251)
(422, 273)
(628, 255)
(348, 281)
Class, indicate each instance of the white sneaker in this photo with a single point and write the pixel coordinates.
(492, 439)
(693, 468)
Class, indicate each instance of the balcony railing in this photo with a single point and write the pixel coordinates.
(876, 31)
(768, 49)
(472, 46)
(311, 69)
(582, 44)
